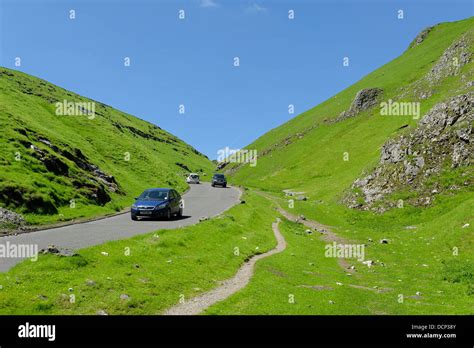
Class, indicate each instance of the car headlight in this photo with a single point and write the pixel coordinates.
(134, 206)
(161, 206)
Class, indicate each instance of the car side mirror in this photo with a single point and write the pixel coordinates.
(135, 198)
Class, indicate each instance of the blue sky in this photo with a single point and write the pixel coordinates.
(191, 61)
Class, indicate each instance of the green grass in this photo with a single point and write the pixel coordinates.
(419, 260)
(28, 112)
(160, 268)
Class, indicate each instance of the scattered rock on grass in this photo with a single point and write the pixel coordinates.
(90, 282)
(369, 263)
(52, 249)
(9, 217)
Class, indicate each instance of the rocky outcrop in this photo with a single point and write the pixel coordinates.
(99, 176)
(364, 100)
(63, 161)
(451, 62)
(10, 219)
(145, 135)
(184, 166)
(54, 164)
(441, 142)
(421, 37)
(52, 249)
(453, 59)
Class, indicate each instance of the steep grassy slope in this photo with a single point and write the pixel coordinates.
(321, 154)
(308, 151)
(57, 167)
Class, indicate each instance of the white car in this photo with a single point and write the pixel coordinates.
(193, 178)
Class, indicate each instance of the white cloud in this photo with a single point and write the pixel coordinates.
(208, 3)
(255, 8)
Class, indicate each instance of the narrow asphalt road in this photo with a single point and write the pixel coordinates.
(201, 200)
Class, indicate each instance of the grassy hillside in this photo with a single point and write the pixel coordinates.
(58, 167)
(307, 152)
(321, 155)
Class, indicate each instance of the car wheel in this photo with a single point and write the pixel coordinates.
(134, 218)
(213, 185)
(180, 212)
(168, 214)
(224, 186)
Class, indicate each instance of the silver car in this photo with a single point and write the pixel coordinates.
(192, 178)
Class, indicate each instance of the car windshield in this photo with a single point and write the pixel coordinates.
(154, 195)
(219, 176)
(194, 176)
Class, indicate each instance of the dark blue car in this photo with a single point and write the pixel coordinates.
(157, 203)
(219, 179)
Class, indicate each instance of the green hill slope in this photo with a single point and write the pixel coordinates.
(61, 161)
(321, 153)
(401, 179)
